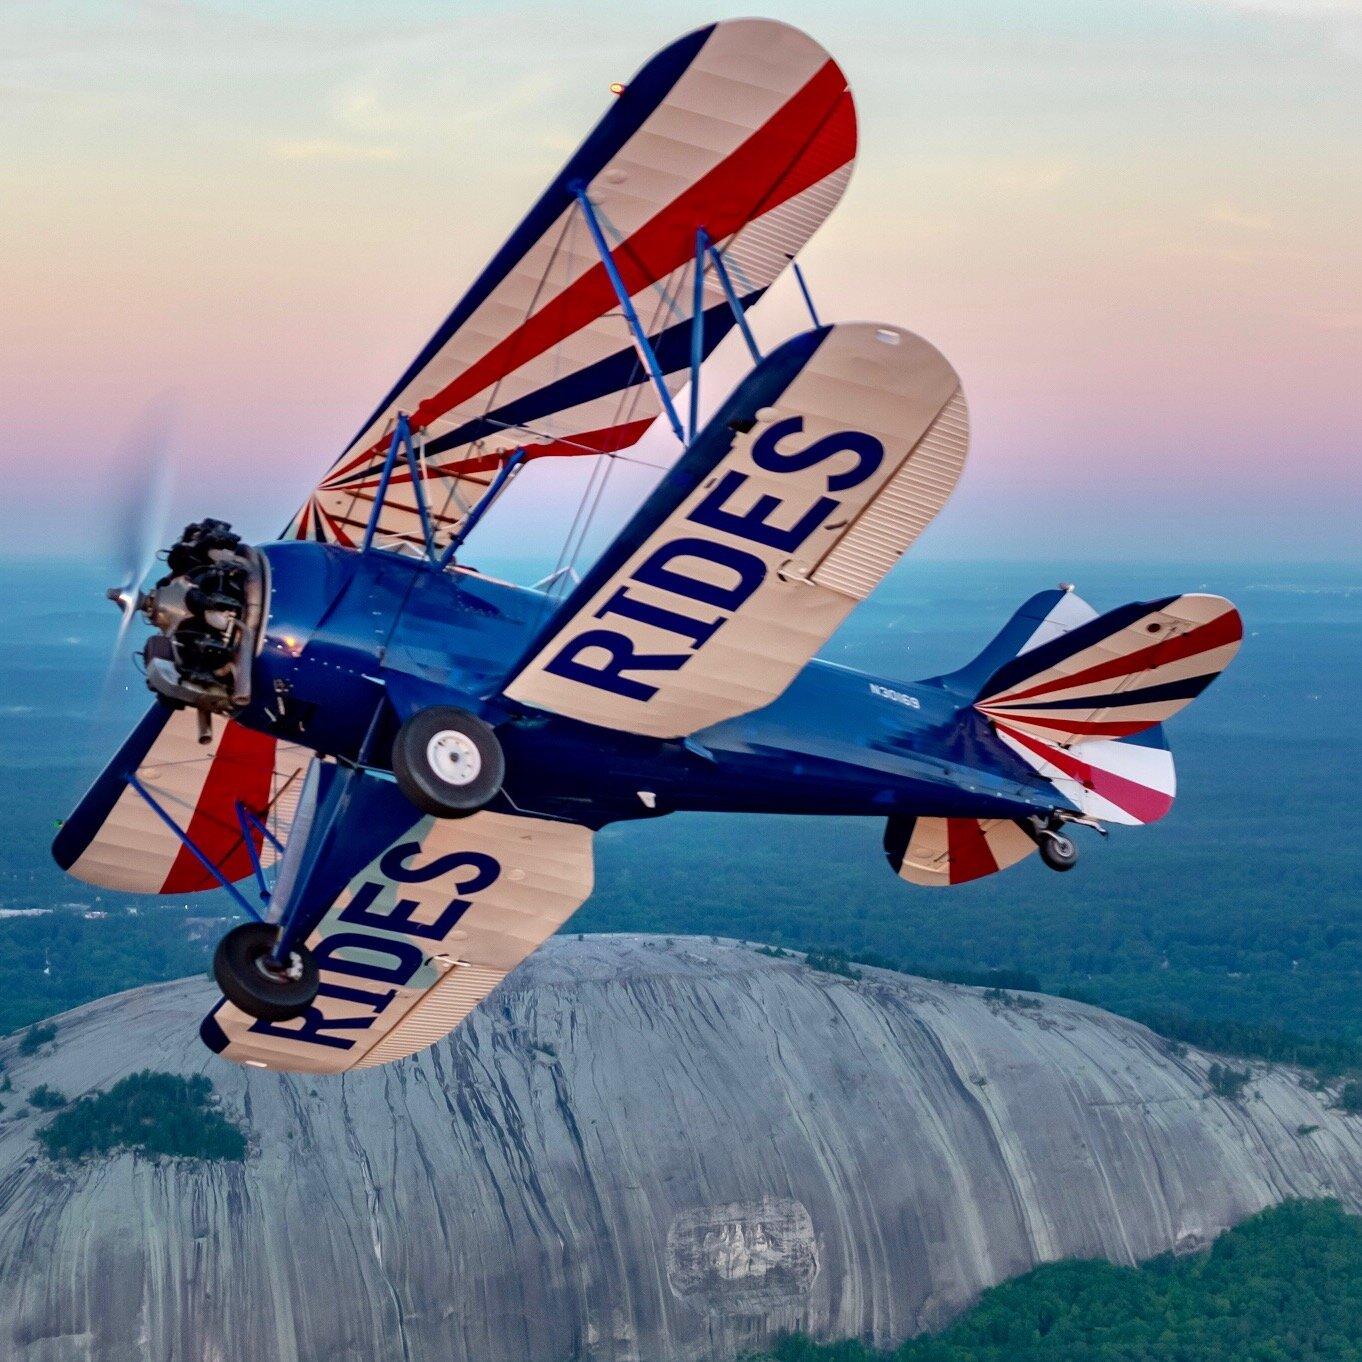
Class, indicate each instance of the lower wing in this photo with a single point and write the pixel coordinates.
(234, 796)
(431, 916)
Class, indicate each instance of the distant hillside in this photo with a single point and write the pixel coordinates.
(639, 1151)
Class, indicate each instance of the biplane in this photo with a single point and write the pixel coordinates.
(395, 764)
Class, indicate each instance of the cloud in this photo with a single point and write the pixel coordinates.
(1230, 216)
(332, 149)
(363, 111)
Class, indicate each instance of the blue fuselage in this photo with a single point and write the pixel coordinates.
(349, 637)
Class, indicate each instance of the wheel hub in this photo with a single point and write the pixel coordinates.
(289, 973)
(454, 757)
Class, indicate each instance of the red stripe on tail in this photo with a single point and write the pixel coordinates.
(1139, 801)
(1217, 633)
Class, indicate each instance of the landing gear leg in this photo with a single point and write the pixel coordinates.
(265, 968)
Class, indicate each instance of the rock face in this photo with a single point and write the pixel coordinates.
(637, 1149)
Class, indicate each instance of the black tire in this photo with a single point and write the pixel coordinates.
(448, 762)
(239, 967)
(1058, 851)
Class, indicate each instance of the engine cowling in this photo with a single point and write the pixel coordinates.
(208, 611)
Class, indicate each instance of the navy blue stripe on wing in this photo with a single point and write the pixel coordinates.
(83, 826)
(615, 373)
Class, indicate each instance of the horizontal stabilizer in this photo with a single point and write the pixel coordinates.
(1115, 676)
(941, 851)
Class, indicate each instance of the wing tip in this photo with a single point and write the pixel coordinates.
(211, 1032)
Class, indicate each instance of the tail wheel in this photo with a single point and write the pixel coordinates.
(1058, 851)
(248, 976)
(448, 762)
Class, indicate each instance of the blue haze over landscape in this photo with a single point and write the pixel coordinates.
(1243, 903)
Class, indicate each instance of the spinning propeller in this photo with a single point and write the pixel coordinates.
(138, 523)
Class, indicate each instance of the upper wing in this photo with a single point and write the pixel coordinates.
(745, 129)
(433, 915)
(820, 470)
(115, 838)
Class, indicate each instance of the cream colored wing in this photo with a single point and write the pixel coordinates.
(417, 939)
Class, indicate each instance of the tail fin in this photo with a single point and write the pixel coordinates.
(1047, 615)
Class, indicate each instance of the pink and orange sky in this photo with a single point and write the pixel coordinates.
(1132, 227)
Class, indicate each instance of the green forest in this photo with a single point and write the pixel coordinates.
(153, 1113)
(1285, 1286)
(55, 962)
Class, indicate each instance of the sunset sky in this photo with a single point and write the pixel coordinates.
(1132, 226)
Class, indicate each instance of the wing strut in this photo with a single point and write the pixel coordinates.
(730, 293)
(250, 826)
(704, 249)
(403, 444)
(804, 289)
(627, 307)
(505, 473)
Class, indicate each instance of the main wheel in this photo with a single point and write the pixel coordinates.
(1058, 851)
(248, 978)
(448, 762)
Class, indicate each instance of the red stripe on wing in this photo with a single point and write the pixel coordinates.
(242, 770)
(813, 133)
(607, 440)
